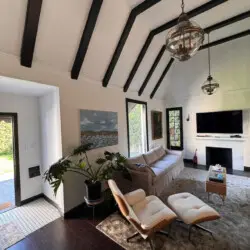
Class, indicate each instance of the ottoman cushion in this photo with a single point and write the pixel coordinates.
(191, 209)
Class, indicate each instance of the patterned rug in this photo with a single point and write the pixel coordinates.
(232, 231)
(19, 222)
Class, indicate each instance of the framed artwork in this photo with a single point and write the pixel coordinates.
(156, 124)
(99, 128)
(174, 128)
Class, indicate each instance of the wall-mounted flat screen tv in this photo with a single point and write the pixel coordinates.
(225, 122)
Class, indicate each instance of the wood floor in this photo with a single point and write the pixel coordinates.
(70, 234)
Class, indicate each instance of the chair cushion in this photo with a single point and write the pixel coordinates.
(160, 151)
(191, 209)
(150, 157)
(152, 211)
(135, 196)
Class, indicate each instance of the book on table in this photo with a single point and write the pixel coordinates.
(217, 177)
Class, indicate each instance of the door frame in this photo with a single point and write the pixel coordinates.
(181, 128)
(15, 141)
(127, 118)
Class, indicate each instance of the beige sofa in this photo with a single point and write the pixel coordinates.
(154, 170)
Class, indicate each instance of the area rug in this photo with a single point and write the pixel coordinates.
(10, 234)
(232, 231)
(25, 220)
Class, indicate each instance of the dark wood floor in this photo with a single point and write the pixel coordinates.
(78, 231)
(69, 234)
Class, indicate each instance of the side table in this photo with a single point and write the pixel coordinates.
(93, 204)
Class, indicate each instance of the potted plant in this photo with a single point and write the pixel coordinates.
(78, 162)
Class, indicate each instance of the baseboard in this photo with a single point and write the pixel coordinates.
(53, 204)
(33, 198)
(247, 169)
(74, 212)
(188, 160)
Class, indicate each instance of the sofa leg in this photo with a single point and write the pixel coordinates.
(133, 236)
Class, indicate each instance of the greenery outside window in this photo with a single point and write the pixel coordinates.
(174, 128)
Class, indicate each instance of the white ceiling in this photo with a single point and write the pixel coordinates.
(62, 22)
(21, 87)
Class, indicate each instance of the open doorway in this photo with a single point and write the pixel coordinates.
(137, 127)
(9, 162)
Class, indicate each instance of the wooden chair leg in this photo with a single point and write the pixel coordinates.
(151, 243)
(133, 236)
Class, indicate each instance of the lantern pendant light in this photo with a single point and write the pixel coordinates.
(210, 86)
(185, 39)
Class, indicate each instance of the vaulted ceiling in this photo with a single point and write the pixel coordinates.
(117, 43)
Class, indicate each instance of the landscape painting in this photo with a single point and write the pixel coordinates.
(99, 128)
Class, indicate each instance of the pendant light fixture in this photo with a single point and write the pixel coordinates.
(184, 40)
(210, 86)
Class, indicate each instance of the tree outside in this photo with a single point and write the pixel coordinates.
(135, 130)
(6, 150)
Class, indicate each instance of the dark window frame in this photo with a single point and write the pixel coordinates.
(181, 128)
(17, 182)
(127, 118)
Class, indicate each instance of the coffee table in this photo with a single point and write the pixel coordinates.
(219, 188)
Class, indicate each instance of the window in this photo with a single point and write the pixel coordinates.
(174, 128)
(137, 127)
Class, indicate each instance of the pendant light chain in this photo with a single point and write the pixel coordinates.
(209, 59)
(182, 6)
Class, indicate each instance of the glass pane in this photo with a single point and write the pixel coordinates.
(171, 113)
(177, 112)
(174, 128)
(137, 129)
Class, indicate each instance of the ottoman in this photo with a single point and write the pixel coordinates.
(191, 210)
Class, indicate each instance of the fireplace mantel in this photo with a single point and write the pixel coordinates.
(236, 144)
(221, 138)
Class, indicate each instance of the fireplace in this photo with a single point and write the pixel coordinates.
(222, 156)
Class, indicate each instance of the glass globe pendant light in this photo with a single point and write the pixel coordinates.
(184, 40)
(210, 86)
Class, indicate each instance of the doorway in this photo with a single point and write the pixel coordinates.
(137, 127)
(9, 162)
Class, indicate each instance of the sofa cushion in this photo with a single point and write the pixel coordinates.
(164, 165)
(160, 151)
(136, 160)
(138, 164)
(150, 157)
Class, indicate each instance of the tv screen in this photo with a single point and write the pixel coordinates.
(226, 122)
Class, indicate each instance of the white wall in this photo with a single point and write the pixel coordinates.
(29, 139)
(230, 67)
(76, 95)
(51, 140)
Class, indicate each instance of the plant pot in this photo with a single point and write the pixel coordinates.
(93, 190)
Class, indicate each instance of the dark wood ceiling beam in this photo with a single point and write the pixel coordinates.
(124, 36)
(197, 11)
(30, 32)
(226, 39)
(86, 37)
(152, 69)
(227, 22)
(162, 77)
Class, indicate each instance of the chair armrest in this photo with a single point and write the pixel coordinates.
(135, 196)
